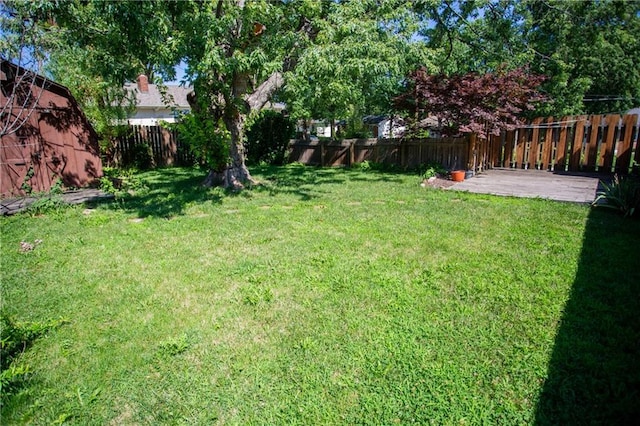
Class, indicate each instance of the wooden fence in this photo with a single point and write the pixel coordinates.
(452, 153)
(603, 143)
(163, 144)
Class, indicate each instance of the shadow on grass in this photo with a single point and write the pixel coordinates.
(169, 191)
(306, 182)
(166, 192)
(594, 373)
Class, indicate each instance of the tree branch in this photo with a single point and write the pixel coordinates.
(258, 99)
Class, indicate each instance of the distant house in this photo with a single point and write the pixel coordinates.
(385, 127)
(154, 105)
(635, 111)
(45, 135)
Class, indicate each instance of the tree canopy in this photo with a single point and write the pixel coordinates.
(325, 59)
(471, 103)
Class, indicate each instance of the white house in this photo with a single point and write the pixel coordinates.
(635, 111)
(152, 106)
(384, 127)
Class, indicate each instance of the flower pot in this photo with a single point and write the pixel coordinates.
(457, 175)
(468, 174)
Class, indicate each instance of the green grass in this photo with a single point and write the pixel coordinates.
(323, 297)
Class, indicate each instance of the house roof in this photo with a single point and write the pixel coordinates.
(177, 96)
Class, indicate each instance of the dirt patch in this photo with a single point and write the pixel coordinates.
(437, 182)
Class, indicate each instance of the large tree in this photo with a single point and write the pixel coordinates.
(362, 52)
(482, 104)
(334, 57)
(587, 49)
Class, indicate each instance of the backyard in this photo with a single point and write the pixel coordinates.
(322, 296)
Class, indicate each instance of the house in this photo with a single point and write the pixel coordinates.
(635, 111)
(157, 103)
(45, 137)
(384, 127)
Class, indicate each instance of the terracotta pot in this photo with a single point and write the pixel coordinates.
(457, 175)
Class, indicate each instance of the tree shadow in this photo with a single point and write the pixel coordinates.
(164, 193)
(593, 375)
(302, 181)
(307, 181)
(170, 191)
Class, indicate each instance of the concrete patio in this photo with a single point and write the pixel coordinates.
(559, 186)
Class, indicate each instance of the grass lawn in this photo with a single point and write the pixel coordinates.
(324, 297)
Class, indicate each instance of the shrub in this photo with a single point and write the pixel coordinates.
(142, 156)
(121, 182)
(47, 204)
(207, 139)
(431, 170)
(268, 138)
(623, 195)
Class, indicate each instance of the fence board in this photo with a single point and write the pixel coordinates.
(575, 162)
(561, 151)
(531, 161)
(637, 137)
(547, 147)
(508, 149)
(594, 131)
(608, 142)
(624, 157)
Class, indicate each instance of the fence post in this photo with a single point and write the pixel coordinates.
(471, 158)
(352, 153)
(322, 153)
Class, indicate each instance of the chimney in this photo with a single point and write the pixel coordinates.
(143, 83)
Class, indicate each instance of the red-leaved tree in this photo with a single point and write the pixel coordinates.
(471, 103)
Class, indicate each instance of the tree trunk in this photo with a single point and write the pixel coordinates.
(236, 174)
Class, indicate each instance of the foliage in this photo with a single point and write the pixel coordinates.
(432, 170)
(585, 49)
(471, 103)
(472, 36)
(206, 138)
(26, 182)
(121, 182)
(359, 57)
(105, 103)
(140, 156)
(623, 195)
(363, 166)
(49, 203)
(589, 52)
(268, 138)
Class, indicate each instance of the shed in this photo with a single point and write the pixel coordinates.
(44, 135)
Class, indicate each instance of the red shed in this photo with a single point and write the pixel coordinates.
(44, 135)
